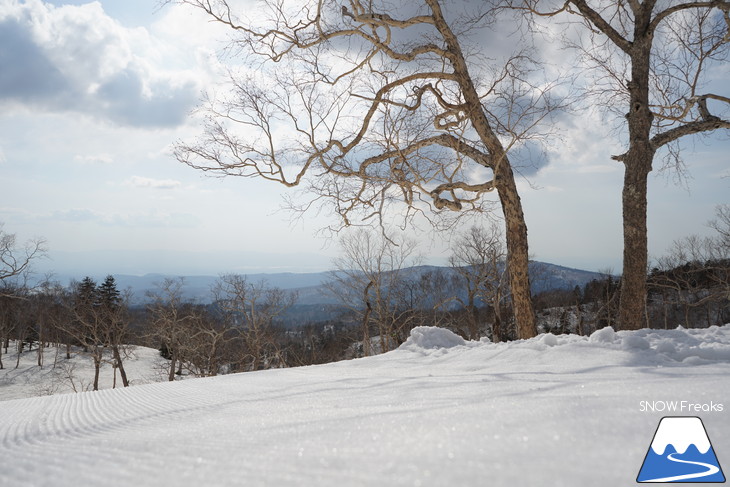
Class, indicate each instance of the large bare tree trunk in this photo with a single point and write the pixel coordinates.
(517, 253)
(637, 161)
(633, 281)
(673, 70)
(504, 181)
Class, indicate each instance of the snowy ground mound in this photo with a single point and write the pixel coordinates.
(553, 410)
(429, 338)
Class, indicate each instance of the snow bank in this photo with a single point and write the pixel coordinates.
(695, 346)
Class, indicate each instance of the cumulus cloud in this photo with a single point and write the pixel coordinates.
(76, 58)
(140, 182)
(27, 73)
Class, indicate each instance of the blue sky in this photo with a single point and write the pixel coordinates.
(93, 95)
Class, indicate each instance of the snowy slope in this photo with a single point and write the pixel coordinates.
(552, 411)
(60, 376)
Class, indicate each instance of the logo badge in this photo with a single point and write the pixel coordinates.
(681, 452)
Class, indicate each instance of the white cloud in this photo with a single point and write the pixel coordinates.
(77, 58)
(94, 159)
(141, 182)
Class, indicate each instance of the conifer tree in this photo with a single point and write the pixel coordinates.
(112, 312)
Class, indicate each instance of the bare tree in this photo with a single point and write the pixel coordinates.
(15, 266)
(478, 256)
(652, 64)
(694, 276)
(56, 317)
(209, 341)
(721, 224)
(10, 316)
(15, 261)
(43, 303)
(171, 320)
(87, 326)
(114, 312)
(607, 301)
(370, 280)
(251, 310)
(371, 105)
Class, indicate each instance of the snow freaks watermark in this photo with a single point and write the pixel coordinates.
(680, 451)
(681, 407)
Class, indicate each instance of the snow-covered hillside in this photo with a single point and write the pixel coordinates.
(551, 411)
(60, 376)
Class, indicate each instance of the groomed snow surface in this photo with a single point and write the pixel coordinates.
(439, 411)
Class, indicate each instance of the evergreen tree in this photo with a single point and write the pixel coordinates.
(108, 296)
(86, 293)
(110, 303)
(85, 300)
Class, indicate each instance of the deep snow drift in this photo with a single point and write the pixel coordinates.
(551, 411)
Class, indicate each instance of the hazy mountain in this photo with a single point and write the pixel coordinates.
(310, 286)
(198, 288)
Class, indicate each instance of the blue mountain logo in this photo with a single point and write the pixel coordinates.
(681, 452)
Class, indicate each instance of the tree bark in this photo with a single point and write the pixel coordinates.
(517, 252)
(97, 368)
(637, 163)
(41, 342)
(171, 372)
(366, 321)
(516, 228)
(118, 360)
(21, 343)
(633, 281)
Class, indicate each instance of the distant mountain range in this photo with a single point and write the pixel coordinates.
(310, 286)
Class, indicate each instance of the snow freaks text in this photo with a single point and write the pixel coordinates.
(680, 407)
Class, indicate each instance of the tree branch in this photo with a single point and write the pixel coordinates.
(601, 24)
(690, 128)
(724, 6)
